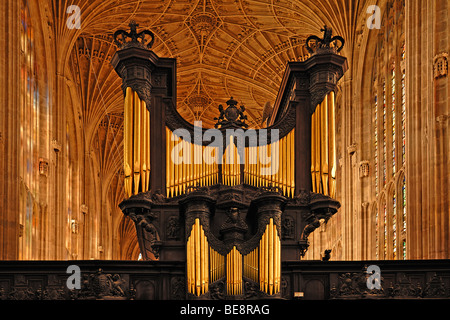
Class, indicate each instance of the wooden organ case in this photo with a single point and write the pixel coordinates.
(219, 206)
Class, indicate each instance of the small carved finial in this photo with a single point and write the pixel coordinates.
(324, 44)
(133, 38)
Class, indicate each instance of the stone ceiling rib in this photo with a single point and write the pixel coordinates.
(234, 47)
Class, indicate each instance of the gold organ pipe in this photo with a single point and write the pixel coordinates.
(171, 168)
(177, 165)
(283, 165)
(323, 153)
(324, 144)
(258, 167)
(173, 165)
(289, 155)
(235, 166)
(128, 142)
(182, 175)
(318, 167)
(270, 260)
(278, 168)
(180, 167)
(193, 170)
(200, 166)
(196, 164)
(228, 274)
(332, 145)
(147, 133)
(143, 146)
(313, 152)
(252, 166)
(268, 178)
(198, 254)
(276, 253)
(292, 160)
(266, 260)
(136, 144)
(229, 168)
(188, 264)
(191, 262)
(260, 263)
(214, 165)
(168, 171)
(193, 257)
(273, 166)
(232, 163)
(211, 265)
(234, 272)
(254, 265)
(204, 261)
(248, 166)
(210, 151)
(207, 168)
(204, 168)
(251, 265)
(260, 177)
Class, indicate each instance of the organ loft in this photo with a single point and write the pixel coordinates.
(230, 213)
(224, 151)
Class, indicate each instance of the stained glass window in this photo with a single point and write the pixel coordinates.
(384, 134)
(404, 216)
(393, 116)
(34, 114)
(376, 144)
(389, 136)
(377, 231)
(29, 130)
(394, 226)
(385, 230)
(403, 109)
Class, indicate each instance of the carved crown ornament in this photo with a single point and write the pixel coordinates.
(133, 38)
(326, 44)
(231, 117)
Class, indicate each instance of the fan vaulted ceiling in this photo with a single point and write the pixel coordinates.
(235, 48)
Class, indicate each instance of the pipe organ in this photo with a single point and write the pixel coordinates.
(270, 260)
(323, 147)
(136, 144)
(244, 213)
(231, 167)
(197, 255)
(257, 260)
(272, 164)
(198, 165)
(188, 165)
(234, 272)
